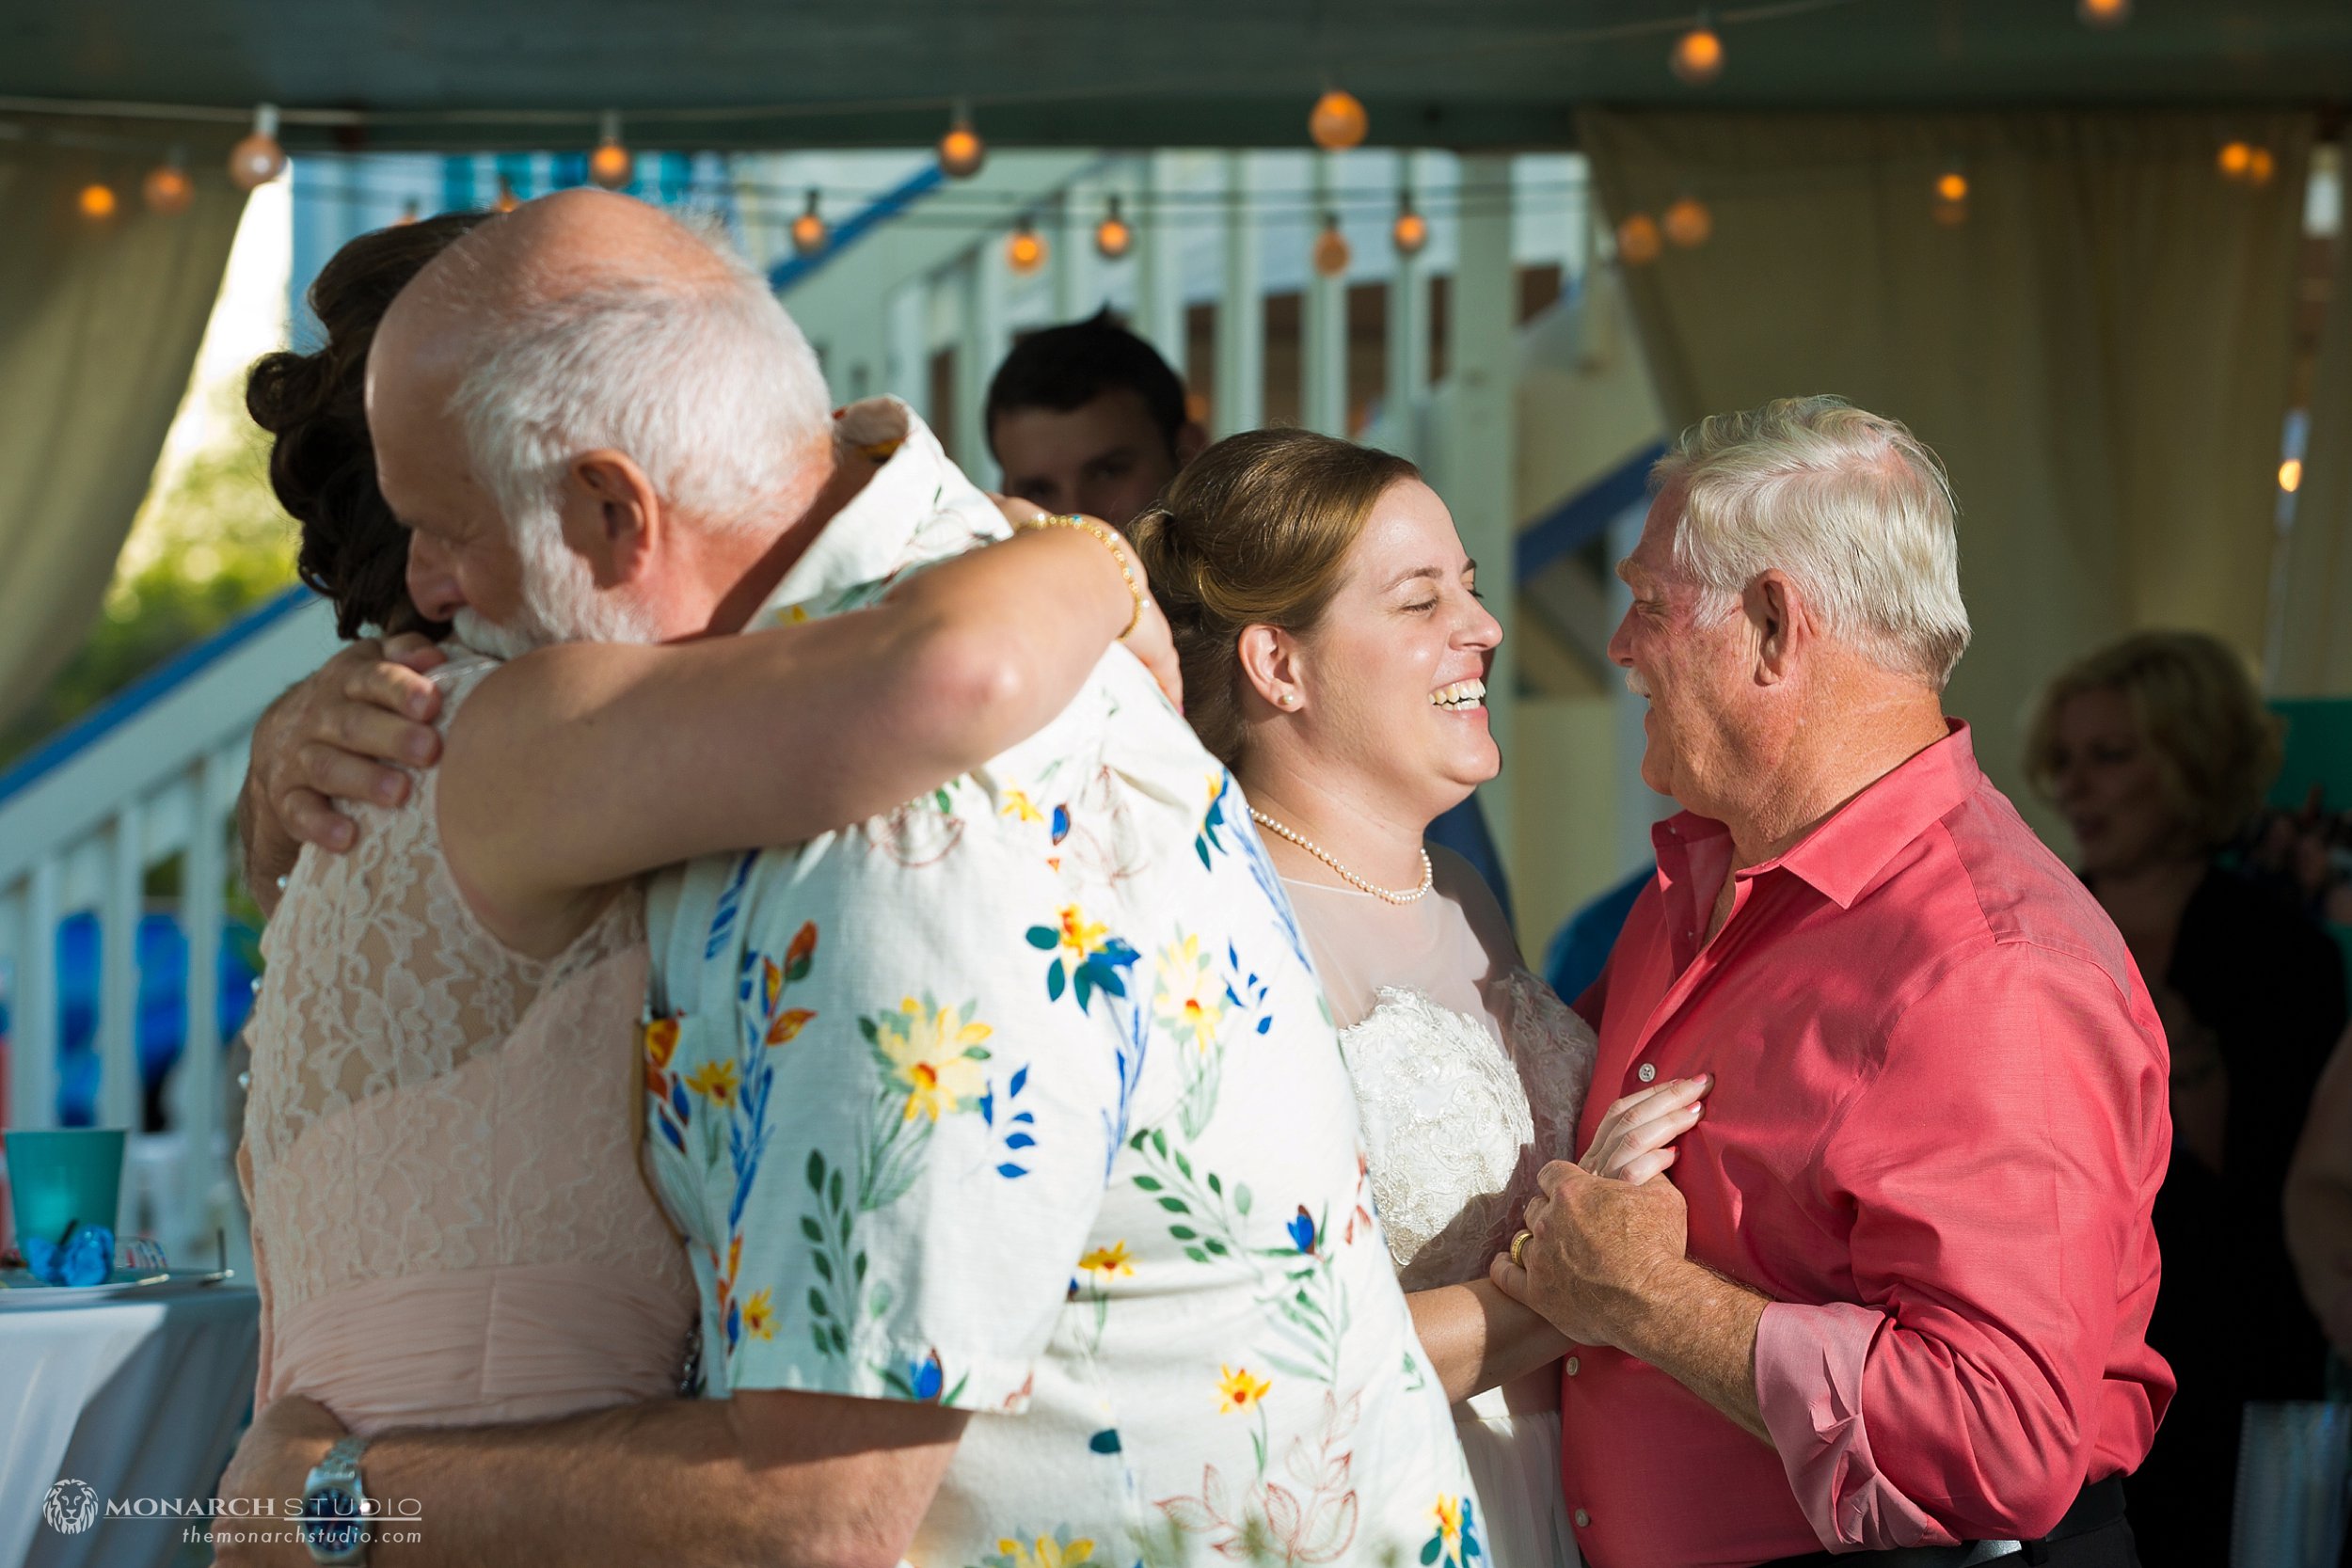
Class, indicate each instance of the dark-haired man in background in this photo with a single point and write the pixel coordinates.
(1089, 418)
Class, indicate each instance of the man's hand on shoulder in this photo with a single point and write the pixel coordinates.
(344, 733)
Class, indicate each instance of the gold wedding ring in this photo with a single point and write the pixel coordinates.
(1518, 1245)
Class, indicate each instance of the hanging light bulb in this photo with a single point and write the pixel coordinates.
(407, 213)
(2291, 475)
(1411, 232)
(1688, 223)
(1114, 236)
(2260, 167)
(258, 160)
(1951, 199)
(2235, 160)
(1698, 57)
(98, 201)
(1025, 251)
(167, 189)
(1338, 121)
(1638, 240)
(2104, 13)
(960, 151)
(507, 201)
(809, 230)
(1332, 254)
(611, 164)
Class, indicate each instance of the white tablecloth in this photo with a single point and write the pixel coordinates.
(137, 1399)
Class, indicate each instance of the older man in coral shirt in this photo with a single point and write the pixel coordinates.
(1892, 1298)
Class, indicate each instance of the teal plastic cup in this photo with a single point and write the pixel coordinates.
(63, 1176)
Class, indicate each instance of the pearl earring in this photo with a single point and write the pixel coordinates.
(1289, 699)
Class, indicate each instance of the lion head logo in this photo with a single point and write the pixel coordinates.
(71, 1505)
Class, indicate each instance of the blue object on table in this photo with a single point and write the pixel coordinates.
(1579, 950)
(87, 1257)
(1463, 830)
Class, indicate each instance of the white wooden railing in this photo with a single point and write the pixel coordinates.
(150, 777)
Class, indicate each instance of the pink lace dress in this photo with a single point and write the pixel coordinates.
(449, 1222)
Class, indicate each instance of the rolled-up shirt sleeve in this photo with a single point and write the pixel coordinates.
(1998, 1166)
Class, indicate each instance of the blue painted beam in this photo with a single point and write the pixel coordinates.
(1583, 517)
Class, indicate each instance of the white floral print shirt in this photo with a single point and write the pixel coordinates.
(1024, 1099)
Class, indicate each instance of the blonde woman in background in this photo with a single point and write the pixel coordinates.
(1335, 655)
(2158, 753)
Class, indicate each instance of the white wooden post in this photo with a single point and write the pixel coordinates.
(1408, 338)
(196, 1087)
(1159, 267)
(978, 351)
(119, 974)
(1240, 309)
(1483, 424)
(1322, 325)
(907, 332)
(33, 1018)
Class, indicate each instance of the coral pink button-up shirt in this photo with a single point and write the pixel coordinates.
(1938, 1125)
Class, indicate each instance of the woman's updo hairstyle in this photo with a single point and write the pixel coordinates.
(322, 463)
(1255, 531)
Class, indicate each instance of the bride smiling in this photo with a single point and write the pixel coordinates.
(1335, 655)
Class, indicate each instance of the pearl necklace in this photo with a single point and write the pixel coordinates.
(1428, 872)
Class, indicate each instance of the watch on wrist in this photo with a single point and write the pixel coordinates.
(335, 1507)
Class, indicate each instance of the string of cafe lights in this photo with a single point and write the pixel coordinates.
(1337, 121)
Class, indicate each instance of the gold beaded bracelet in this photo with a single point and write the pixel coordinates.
(1111, 542)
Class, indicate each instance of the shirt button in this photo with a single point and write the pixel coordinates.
(1583, 1520)
(1572, 1365)
(1646, 1072)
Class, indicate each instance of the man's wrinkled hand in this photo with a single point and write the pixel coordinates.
(346, 732)
(1597, 1252)
(287, 1437)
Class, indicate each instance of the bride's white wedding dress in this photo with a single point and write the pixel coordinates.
(1469, 1074)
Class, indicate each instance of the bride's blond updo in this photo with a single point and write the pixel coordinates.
(1255, 531)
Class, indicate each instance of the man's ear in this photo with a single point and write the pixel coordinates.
(1271, 663)
(1780, 622)
(1192, 440)
(612, 515)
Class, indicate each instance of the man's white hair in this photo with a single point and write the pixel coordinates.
(706, 384)
(1849, 504)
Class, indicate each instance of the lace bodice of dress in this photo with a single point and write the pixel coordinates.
(1458, 1123)
(1469, 1073)
(424, 1098)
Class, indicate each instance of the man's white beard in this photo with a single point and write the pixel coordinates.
(1634, 682)
(559, 604)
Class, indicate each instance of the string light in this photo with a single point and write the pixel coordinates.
(98, 201)
(2104, 13)
(167, 189)
(2291, 475)
(1025, 251)
(1332, 254)
(1698, 57)
(258, 160)
(1113, 237)
(1688, 223)
(2260, 167)
(1411, 232)
(506, 201)
(1951, 199)
(960, 151)
(2233, 159)
(611, 164)
(1338, 121)
(809, 230)
(1638, 240)
(407, 213)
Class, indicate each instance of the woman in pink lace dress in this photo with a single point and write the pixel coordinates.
(450, 1224)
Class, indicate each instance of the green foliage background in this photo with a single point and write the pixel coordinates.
(205, 549)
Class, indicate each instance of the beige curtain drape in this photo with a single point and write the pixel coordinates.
(2315, 634)
(2099, 349)
(99, 320)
